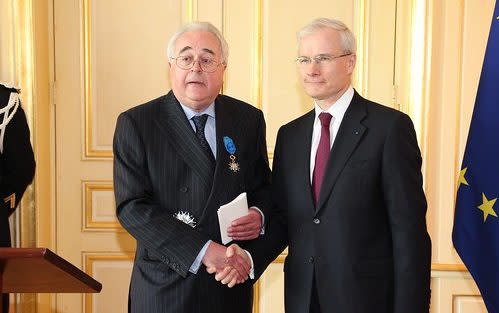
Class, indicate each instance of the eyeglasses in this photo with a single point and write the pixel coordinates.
(321, 59)
(186, 62)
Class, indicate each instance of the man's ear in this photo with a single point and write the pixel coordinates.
(352, 60)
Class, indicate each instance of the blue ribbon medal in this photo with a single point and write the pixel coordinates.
(231, 149)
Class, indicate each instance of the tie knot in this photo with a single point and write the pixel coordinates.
(325, 119)
(200, 121)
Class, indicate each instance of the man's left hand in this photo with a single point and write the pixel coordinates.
(247, 227)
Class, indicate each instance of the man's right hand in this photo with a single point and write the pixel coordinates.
(230, 266)
(227, 277)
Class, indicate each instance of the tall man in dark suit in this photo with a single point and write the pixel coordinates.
(348, 196)
(17, 162)
(177, 159)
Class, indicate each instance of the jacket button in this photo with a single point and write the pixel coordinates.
(311, 259)
(183, 189)
(317, 221)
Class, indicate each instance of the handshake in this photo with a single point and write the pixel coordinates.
(231, 265)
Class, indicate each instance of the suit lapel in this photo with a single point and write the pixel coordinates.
(349, 135)
(225, 126)
(174, 124)
(304, 137)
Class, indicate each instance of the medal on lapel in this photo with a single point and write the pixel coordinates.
(231, 149)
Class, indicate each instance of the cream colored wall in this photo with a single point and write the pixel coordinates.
(25, 59)
(459, 31)
(420, 56)
(7, 60)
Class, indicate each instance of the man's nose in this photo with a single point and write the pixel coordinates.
(312, 69)
(196, 66)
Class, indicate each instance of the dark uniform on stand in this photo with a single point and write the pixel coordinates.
(17, 163)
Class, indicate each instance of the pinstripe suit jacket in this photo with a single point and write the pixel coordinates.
(160, 169)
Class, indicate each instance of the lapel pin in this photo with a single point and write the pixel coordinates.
(231, 149)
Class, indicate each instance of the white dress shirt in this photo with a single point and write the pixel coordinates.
(337, 110)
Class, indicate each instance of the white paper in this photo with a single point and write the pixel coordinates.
(229, 212)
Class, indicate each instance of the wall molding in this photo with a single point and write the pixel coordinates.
(89, 224)
(89, 259)
(89, 152)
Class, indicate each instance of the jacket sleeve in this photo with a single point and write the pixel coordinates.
(406, 205)
(258, 183)
(268, 247)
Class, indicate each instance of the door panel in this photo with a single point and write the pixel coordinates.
(109, 56)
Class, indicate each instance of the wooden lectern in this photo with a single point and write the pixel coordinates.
(39, 270)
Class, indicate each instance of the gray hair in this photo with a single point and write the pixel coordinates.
(347, 37)
(199, 26)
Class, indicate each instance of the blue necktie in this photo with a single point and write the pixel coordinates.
(200, 122)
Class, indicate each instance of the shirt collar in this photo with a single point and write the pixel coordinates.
(337, 109)
(189, 113)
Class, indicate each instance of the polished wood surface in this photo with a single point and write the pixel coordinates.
(39, 270)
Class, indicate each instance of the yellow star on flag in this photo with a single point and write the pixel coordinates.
(462, 179)
(487, 207)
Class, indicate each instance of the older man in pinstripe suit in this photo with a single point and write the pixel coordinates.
(177, 159)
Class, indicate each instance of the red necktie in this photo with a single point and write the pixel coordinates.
(322, 155)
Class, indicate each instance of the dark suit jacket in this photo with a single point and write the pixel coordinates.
(160, 169)
(366, 241)
(17, 163)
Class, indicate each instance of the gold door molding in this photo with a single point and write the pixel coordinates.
(98, 218)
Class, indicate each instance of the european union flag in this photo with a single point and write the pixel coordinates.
(476, 224)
